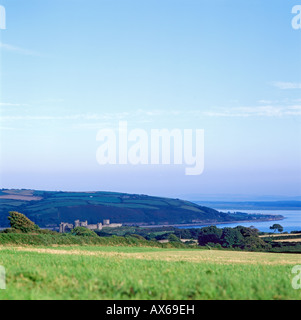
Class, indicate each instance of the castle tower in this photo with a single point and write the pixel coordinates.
(84, 223)
(62, 227)
(106, 222)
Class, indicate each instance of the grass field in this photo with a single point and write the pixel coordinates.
(93, 272)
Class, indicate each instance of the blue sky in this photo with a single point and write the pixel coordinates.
(72, 67)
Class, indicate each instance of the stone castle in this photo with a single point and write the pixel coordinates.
(64, 227)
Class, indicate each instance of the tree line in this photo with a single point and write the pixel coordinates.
(239, 237)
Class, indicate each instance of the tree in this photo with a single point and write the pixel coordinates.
(209, 234)
(247, 231)
(163, 236)
(255, 244)
(231, 237)
(276, 227)
(173, 238)
(251, 241)
(183, 233)
(19, 221)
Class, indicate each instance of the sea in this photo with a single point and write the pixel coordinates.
(291, 221)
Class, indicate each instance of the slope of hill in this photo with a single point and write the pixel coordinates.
(49, 208)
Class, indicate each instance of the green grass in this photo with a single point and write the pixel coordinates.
(145, 273)
(132, 205)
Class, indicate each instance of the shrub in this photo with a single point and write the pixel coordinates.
(19, 221)
(84, 232)
(173, 238)
(137, 236)
(10, 230)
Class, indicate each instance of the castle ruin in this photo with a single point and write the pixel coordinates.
(65, 227)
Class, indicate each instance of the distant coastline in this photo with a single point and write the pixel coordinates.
(252, 205)
(210, 223)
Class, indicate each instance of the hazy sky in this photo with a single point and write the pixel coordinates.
(72, 67)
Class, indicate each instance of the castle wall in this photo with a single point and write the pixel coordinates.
(64, 227)
(113, 225)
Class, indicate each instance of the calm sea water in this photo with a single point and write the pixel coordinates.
(291, 222)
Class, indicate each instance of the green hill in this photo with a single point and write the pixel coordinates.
(49, 208)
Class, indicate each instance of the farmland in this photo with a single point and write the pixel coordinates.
(50, 208)
(123, 272)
